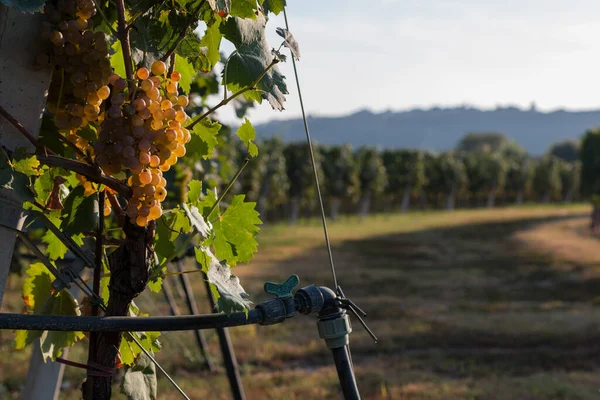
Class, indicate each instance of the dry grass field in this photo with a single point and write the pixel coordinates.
(498, 304)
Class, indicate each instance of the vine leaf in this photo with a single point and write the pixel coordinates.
(235, 232)
(204, 139)
(230, 295)
(187, 72)
(80, 212)
(194, 191)
(170, 229)
(252, 58)
(247, 134)
(290, 42)
(29, 166)
(24, 5)
(12, 179)
(243, 8)
(117, 60)
(139, 381)
(129, 350)
(274, 6)
(39, 299)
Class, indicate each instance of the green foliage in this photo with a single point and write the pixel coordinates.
(519, 176)
(235, 232)
(546, 181)
(340, 170)
(590, 163)
(80, 212)
(451, 173)
(204, 139)
(230, 295)
(300, 173)
(486, 171)
(129, 350)
(251, 58)
(490, 142)
(40, 298)
(570, 179)
(405, 169)
(373, 176)
(187, 72)
(567, 150)
(247, 134)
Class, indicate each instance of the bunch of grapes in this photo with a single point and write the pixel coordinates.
(80, 56)
(143, 133)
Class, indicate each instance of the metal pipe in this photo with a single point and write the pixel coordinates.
(345, 372)
(127, 324)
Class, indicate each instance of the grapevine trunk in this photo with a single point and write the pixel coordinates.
(129, 269)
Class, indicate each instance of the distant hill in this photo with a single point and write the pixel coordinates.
(438, 128)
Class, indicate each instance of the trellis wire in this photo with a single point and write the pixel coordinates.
(312, 159)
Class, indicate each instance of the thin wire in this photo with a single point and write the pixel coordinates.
(147, 353)
(84, 287)
(312, 158)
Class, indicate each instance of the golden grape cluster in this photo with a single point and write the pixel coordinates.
(144, 134)
(141, 130)
(80, 55)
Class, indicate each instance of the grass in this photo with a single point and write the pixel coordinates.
(480, 304)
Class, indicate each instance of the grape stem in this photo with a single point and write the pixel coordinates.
(234, 95)
(114, 203)
(24, 131)
(182, 35)
(93, 173)
(123, 35)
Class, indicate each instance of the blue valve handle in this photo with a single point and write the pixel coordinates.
(282, 290)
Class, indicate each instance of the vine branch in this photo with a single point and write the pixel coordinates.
(234, 95)
(92, 173)
(123, 35)
(24, 131)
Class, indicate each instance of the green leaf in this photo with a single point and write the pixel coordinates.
(212, 41)
(117, 60)
(171, 229)
(129, 349)
(231, 295)
(81, 213)
(243, 8)
(247, 134)
(187, 72)
(194, 191)
(252, 58)
(274, 6)
(24, 5)
(37, 294)
(139, 381)
(235, 232)
(205, 130)
(28, 166)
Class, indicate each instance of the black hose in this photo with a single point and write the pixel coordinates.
(127, 324)
(345, 373)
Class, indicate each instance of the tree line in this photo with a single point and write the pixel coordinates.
(483, 170)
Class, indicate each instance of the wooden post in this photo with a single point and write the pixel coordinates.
(193, 309)
(231, 365)
(23, 92)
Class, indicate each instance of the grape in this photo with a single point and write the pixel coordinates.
(147, 85)
(143, 73)
(103, 92)
(155, 212)
(171, 87)
(145, 177)
(141, 221)
(158, 67)
(182, 101)
(175, 76)
(165, 105)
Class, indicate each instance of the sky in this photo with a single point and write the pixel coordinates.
(399, 54)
